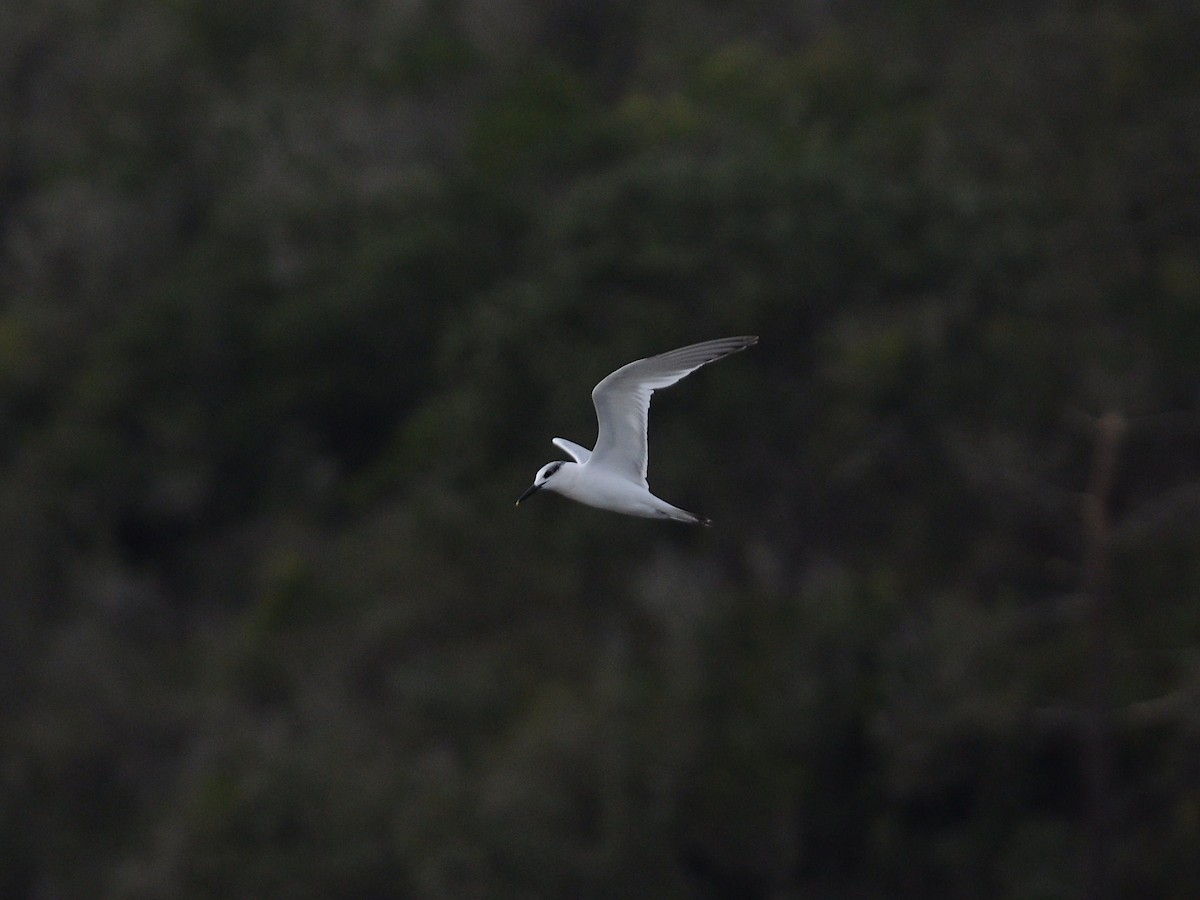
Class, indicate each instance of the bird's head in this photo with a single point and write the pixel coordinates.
(544, 478)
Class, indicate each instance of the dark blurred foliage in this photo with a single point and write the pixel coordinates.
(294, 294)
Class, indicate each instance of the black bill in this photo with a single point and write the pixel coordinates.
(529, 491)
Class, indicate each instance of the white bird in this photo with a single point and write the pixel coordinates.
(613, 475)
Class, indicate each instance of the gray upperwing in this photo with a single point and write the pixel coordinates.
(622, 401)
(572, 449)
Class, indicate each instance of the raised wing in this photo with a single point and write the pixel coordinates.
(572, 449)
(622, 402)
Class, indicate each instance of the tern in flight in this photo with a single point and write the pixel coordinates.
(613, 475)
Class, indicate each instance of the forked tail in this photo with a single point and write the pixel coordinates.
(682, 515)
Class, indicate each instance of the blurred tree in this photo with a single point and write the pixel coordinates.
(294, 296)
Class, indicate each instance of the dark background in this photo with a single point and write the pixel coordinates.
(293, 296)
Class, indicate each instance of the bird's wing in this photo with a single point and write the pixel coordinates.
(572, 449)
(622, 402)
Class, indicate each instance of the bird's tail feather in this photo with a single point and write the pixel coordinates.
(682, 515)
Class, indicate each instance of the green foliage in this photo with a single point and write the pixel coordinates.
(294, 296)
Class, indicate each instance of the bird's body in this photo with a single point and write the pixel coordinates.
(613, 475)
(605, 489)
